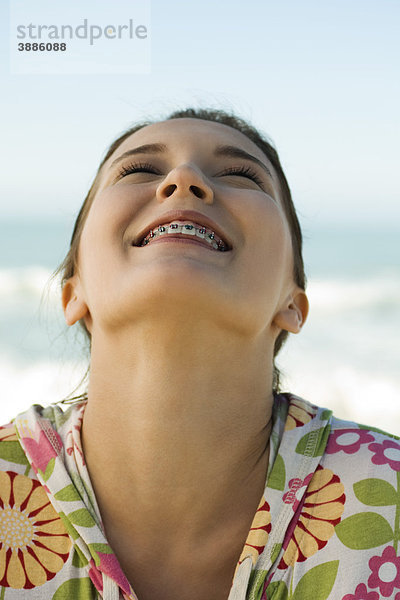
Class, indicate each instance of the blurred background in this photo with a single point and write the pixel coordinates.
(321, 79)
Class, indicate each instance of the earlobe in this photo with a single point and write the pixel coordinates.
(292, 317)
(73, 306)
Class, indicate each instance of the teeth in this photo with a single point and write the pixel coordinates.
(201, 233)
(175, 228)
(186, 229)
(189, 229)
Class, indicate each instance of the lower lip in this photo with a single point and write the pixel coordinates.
(176, 240)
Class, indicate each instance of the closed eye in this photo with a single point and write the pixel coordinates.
(243, 172)
(141, 167)
(144, 167)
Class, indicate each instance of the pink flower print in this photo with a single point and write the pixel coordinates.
(41, 450)
(385, 572)
(73, 444)
(111, 567)
(95, 576)
(362, 593)
(387, 453)
(297, 488)
(348, 440)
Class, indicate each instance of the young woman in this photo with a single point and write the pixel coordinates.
(184, 473)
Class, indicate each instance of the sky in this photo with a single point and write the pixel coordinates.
(321, 79)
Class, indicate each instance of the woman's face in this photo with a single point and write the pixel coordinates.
(184, 164)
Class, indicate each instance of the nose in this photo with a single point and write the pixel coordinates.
(183, 181)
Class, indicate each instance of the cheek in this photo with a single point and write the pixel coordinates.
(267, 252)
(267, 229)
(114, 209)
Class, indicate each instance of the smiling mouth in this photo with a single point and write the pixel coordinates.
(185, 231)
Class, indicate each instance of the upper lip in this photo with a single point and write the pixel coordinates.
(183, 215)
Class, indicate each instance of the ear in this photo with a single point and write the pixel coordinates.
(294, 313)
(73, 304)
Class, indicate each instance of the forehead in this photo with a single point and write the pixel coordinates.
(188, 134)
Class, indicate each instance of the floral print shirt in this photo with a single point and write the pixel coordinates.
(327, 526)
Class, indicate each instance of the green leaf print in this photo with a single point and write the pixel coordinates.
(277, 478)
(317, 583)
(76, 588)
(81, 517)
(68, 494)
(275, 552)
(326, 414)
(72, 532)
(83, 490)
(277, 590)
(79, 560)
(364, 531)
(375, 492)
(102, 548)
(49, 469)
(314, 442)
(13, 452)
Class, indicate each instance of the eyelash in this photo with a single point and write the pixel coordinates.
(244, 172)
(147, 167)
(136, 168)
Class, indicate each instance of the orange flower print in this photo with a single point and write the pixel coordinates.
(315, 515)
(298, 415)
(258, 534)
(7, 433)
(34, 544)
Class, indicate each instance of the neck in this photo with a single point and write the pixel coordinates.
(180, 427)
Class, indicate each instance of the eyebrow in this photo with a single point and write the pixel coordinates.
(230, 151)
(145, 149)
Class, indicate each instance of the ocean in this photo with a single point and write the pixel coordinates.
(347, 357)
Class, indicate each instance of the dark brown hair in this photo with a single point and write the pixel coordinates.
(69, 265)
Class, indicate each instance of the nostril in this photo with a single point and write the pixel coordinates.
(197, 191)
(169, 190)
